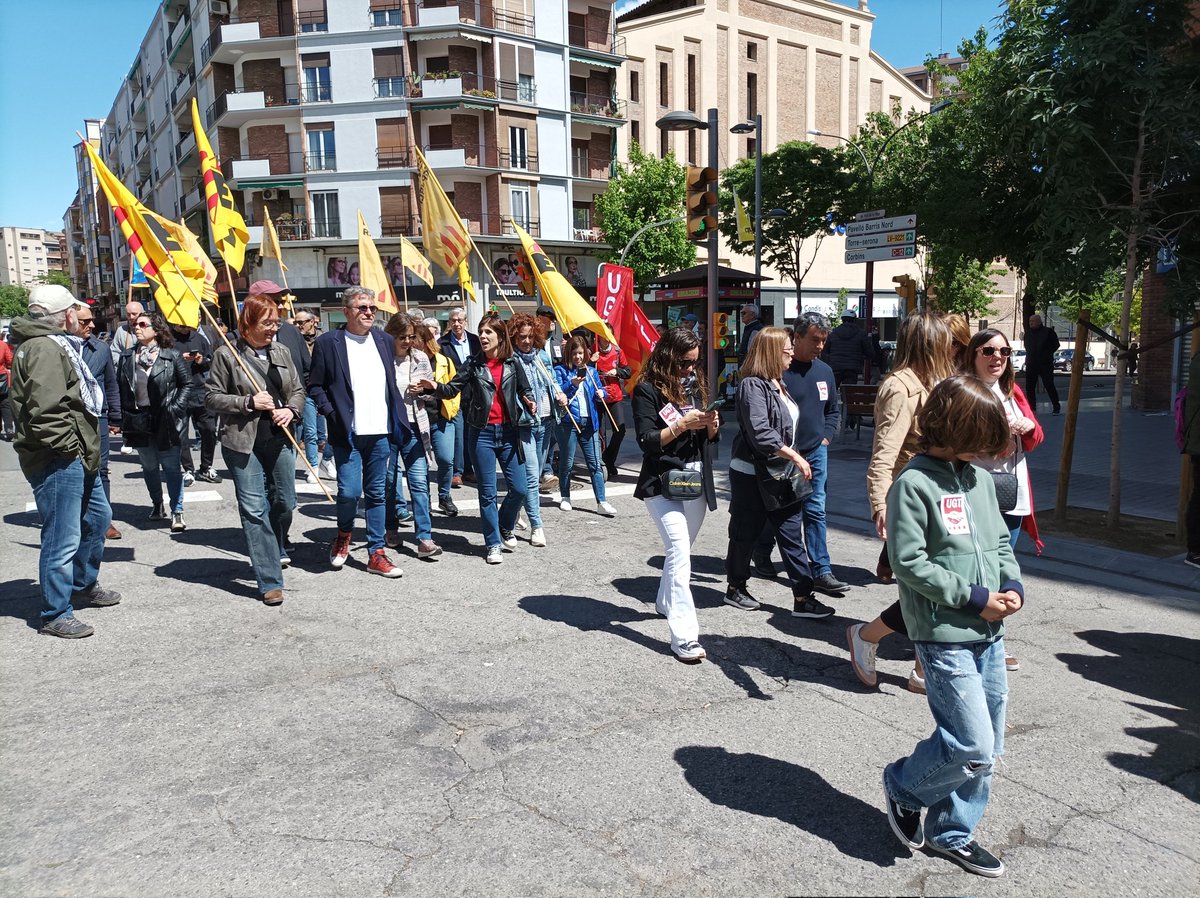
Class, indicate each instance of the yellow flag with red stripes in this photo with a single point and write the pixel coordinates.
(228, 226)
(443, 235)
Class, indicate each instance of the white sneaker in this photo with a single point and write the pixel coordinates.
(521, 525)
(127, 450)
(607, 510)
(494, 555)
(310, 477)
(188, 478)
(862, 656)
(564, 505)
(538, 538)
(689, 651)
(327, 469)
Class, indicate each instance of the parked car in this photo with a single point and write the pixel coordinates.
(1064, 357)
(1018, 359)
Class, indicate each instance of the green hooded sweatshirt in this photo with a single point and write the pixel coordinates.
(52, 422)
(949, 549)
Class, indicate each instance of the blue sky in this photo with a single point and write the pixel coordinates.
(62, 61)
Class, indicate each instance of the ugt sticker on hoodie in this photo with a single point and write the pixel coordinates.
(954, 514)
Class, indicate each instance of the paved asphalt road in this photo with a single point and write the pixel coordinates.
(523, 730)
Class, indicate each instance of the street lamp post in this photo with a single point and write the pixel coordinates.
(755, 127)
(689, 121)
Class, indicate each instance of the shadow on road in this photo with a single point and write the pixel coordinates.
(796, 795)
(1162, 668)
(587, 614)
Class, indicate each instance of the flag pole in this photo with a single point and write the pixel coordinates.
(405, 279)
(566, 408)
(129, 290)
(492, 275)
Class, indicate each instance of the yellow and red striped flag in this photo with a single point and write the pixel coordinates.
(228, 226)
(443, 235)
(411, 258)
(370, 266)
(180, 277)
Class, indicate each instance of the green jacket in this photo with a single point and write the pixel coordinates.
(949, 548)
(52, 422)
(1191, 409)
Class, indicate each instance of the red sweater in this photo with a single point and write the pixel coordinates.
(1029, 442)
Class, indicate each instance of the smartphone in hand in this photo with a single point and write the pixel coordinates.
(715, 406)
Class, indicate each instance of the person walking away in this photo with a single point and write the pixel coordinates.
(156, 393)
(56, 405)
(676, 436)
(769, 421)
(812, 387)
(98, 357)
(350, 382)
(253, 414)
(751, 325)
(1041, 343)
(580, 383)
(848, 348)
(459, 345)
(959, 580)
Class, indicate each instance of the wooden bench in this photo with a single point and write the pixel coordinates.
(858, 402)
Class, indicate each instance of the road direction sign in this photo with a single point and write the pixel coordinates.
(892, 238)
(881, 225)
(881, 254)
(870, 215)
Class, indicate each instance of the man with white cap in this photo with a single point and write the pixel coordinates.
(57, 404)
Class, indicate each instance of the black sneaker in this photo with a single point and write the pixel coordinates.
(67, 627)
(905, 824)
(810, 607)
(97, 595)
(739, 598)
(829, 585)
(764, 567)
(1192, 558)
(973, 858)
(448, 508)
(208, 475)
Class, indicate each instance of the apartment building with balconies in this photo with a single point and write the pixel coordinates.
(27, 254)
(88, 255)
(313, 108)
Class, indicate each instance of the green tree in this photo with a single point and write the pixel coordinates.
(806, 182)
(55, 277)
(14, 301)
(645, 191)
(961, 284)
(1103, 300)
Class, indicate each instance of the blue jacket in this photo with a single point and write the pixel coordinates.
(98, 357)
(330, 388)
(585, 392)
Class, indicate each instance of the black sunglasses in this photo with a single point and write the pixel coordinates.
(990, 351)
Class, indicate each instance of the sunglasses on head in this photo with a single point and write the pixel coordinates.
(989, 351)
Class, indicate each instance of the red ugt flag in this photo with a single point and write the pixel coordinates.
(635, 334)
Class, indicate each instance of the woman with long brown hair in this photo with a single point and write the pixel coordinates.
(676, 432)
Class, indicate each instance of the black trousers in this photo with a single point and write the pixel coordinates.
(205, 423)
(746, 516)
(1193, 509)
(613, 436)
(1032, 376)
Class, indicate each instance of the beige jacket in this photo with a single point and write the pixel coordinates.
(900, 397)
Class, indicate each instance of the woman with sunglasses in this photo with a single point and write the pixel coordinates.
(253, 414)
(676, 434)
(156, 390)
(411, 366)
(499, 408)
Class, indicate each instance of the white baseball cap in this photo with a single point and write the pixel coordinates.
(54, 298)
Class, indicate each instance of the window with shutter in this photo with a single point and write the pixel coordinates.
(389, 71)
(391, 140)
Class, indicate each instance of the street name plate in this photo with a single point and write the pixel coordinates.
(881, 254)
(892, 238)
(881, 225)
(870, 215)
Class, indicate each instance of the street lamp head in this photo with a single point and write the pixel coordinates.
(776, 213)
(743, 128)
(816, 133)
(678, 120)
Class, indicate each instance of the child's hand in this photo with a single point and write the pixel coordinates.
(996, 607)
(1014, 601)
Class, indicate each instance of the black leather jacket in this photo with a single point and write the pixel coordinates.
(170, 390)
(474, 382)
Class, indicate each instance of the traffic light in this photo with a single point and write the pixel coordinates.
(720, 330)
(906, 289)
(701, 203)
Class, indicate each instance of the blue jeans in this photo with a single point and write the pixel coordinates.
(362, 471)
(153, 459)
(587, 439)
(463, 455)
(75, 516)
(530, 438)
(102, 424)
(416, 473)
(497, 444)
(950, 772)
(1013, 522)
(265, 482)
(546, 449)
(443, 432)
(308, 431)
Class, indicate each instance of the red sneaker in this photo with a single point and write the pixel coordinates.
(340, 550)
(382, 565)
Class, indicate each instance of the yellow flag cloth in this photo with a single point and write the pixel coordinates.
(465, 283)
(179, 277)
(443, 235)
(411, 258)
(270, 241)
(570, 309)
(228, 226)
(745, 227)
(191, 243)
(370, 266)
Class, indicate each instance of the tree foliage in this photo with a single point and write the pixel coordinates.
(14, 301)
(961, 284)
(645, 191)
(806, 182)
(55, 277)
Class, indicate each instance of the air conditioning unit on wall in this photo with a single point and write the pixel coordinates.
(270, 193)
(219, 7)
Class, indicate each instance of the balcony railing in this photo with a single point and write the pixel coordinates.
(281, 25)
(320, 92)
(288, 227)
(585, 165)
(486, 156)
(396, 86)
(598, 39)
(394, 157)
(399, 225)
(470, 12)
(182, 85)
(320, 162)
(313, 21)
(493, 224)
(434, 85)
(593, 104)
(388, 17)
(280, 163)
(289, 97)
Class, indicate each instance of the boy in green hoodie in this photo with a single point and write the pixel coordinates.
(959, 579)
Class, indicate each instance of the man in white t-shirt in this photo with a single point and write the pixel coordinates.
(352, 384)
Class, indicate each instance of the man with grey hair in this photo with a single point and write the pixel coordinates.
(353, 382)
(58, 404)
(812, 385)
(751, 325)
